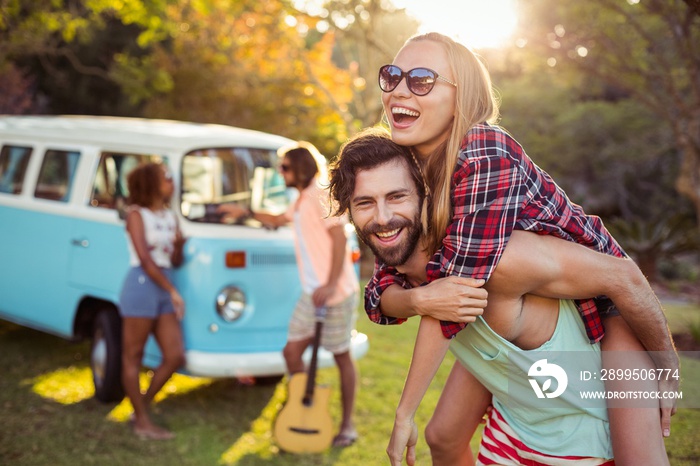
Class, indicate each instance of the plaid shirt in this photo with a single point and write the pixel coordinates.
(496, 189)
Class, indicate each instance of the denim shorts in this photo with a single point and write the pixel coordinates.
(142, 297)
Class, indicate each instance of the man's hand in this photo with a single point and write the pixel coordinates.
(403, 437)
(231, 212)
(668, 406)
(322, 294)
(452, 299)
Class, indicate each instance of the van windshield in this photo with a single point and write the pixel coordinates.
(244, 176)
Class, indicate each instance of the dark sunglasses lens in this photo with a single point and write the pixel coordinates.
(421, 80)
(389, 77)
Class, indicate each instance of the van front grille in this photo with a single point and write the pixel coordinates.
(269, 259)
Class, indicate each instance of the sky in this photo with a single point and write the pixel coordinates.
(475, 23)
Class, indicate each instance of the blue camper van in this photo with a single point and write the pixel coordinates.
(63, 252)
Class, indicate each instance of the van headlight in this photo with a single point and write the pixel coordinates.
(230, 303)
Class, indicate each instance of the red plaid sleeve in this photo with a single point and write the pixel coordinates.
(382, 278)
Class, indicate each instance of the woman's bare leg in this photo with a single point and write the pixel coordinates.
(458, 413)
(135, 331)
(169, 337)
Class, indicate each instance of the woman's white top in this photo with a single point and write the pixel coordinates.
(160, 228)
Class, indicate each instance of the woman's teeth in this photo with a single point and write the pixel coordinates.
(404, 111)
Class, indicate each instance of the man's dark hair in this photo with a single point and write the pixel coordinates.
(302, 162)
(367, 149)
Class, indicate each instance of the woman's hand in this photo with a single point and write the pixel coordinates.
(177, 257)
(403, 437)
(178, 304)
(452, 299)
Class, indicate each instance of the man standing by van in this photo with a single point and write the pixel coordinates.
(327, 275)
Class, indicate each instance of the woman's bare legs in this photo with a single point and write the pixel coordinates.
(135, 331)
(458, 413)
(169, 337)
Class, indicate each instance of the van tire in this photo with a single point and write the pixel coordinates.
(106, 356)
(268, 380)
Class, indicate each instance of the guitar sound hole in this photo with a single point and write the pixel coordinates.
(299, 430)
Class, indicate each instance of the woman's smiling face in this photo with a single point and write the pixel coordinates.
(421, 122)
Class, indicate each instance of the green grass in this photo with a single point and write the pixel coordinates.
(681, 316)
(49, 415)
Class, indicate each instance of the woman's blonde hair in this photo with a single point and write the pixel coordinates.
(475, 103)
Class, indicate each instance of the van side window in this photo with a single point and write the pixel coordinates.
(109, 191)
(13, 164)
(56, 175)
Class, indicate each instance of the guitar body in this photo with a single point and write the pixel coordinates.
(300, 428)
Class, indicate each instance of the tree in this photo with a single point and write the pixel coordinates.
(68, 47)
(368, 34)
(240, 62)
(648, 50)
(18, 92)
(250, 64)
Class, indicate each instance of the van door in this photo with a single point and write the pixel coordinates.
(100, 258)
(43, 245)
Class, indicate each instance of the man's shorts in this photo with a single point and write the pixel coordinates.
(142, 297)
(501, 445)
(337, 326)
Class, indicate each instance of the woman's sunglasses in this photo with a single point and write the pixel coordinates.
(420, 81)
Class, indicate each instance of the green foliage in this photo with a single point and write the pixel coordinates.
(649, 240)
(595, 149)
(694, 328)
(140, 78)
(642, 50)
(610, 153)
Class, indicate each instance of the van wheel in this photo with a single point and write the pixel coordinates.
(106, 356)
(268, 380)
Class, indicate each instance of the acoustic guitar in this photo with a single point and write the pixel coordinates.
(304, 424)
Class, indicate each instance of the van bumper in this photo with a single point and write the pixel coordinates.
(204, 364)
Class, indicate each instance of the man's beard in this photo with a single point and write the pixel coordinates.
(398, 254)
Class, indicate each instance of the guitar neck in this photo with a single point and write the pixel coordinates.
(311, 378)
